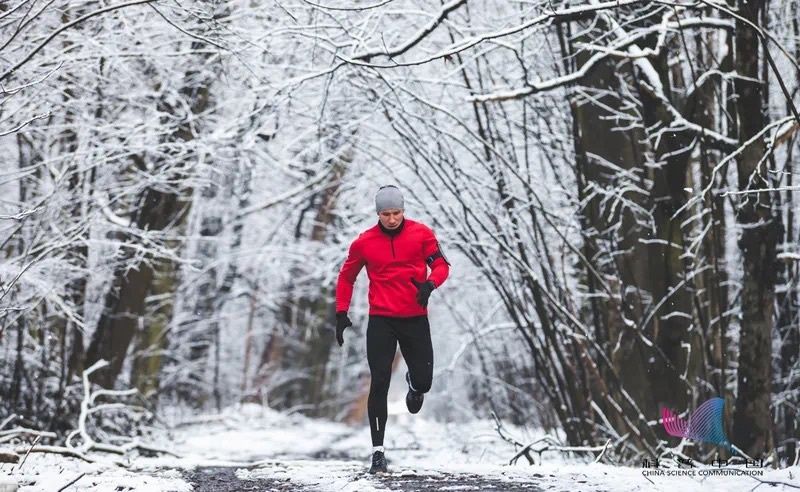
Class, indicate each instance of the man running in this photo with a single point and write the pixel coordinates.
(396, 252)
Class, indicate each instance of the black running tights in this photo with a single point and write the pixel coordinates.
(383, 336)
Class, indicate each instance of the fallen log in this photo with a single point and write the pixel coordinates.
(9, 457)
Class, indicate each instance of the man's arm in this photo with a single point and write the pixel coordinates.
(347, 277)
(440, 267)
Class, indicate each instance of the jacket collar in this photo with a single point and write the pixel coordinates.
(392, 232)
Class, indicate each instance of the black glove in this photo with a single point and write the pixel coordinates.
(424, 290)
(342, 322)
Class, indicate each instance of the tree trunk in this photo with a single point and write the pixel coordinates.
(151, 340)
(124, 305)
(761, 231)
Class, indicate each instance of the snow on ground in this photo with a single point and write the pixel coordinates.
(272, 451)
(49, 472)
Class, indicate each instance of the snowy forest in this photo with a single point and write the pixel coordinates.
(612, 181)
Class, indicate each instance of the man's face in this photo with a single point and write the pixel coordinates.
(391, 217)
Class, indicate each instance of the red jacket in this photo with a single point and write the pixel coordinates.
(392, 258)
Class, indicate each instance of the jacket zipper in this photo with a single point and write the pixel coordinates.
(391, 241)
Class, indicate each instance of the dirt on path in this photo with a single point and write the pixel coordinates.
(225, 479)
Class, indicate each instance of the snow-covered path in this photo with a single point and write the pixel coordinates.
(270, 451)
(251, 448)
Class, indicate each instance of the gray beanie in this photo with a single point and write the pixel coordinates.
(388, 197)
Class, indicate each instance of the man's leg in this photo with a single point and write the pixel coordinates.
(381, 347)
(414, 336)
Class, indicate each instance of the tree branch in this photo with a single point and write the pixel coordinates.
(63, 28)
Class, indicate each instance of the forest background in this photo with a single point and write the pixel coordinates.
(611, 181)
